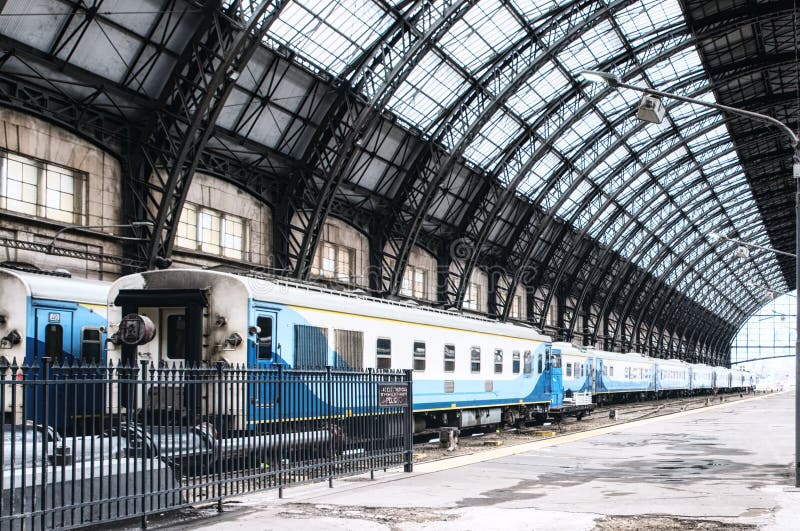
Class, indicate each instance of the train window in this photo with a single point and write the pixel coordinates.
(419, 355)
(449, 358)
(384, 353)
(498, 361)
(349, 349)
(515, 362)
(54, 343)
(539, 364)
(611, 370)
(264, 338)
(90, 345)
(176, 337)
(582, 371)
(605, 370)
(569, 370)
(310, 346)
(475, 359)
(527, 360)
(556, 361)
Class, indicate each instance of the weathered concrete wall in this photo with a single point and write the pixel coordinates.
(28, 136)
(227, 198)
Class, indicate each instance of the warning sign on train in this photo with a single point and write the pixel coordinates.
(392, 395)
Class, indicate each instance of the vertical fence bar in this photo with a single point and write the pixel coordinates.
(409, 465)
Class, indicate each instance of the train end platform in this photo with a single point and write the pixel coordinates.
(722, 467)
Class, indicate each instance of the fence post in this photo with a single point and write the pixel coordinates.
(220, 390)
(45, 374)
(329, 401)
(278, 401)
(409, 466)
(145, 452)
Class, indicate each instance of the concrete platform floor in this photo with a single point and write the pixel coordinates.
(723, 467)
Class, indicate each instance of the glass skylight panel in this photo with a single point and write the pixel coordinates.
(579, 133)
(593, 46)
(486, 29)
(575, 198)
(532, 10)
(648, 17)
(493, 137)
(331, 33)
(540, 172)
(676, 67)
(603, 217)
(543, 86)
(431, 87)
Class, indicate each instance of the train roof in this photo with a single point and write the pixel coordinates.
(54, 287)
(277, 290)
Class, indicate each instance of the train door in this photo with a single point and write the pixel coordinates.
(54, 339)
(556, 388)
(263, 352)
(546, 374)
(590, 375)
(598, 378)
(265, 349)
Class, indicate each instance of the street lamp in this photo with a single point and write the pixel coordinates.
(650, 110)
(132, 224)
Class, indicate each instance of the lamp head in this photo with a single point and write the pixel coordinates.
(595, 76)
(141, 223)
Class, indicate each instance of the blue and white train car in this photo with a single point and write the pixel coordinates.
(578, 369)
(722, 379)
(467, 371)
(49, 315)
(702, 378)
(673, 377)
(624, 374)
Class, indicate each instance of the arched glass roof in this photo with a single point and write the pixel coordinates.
(499, 76)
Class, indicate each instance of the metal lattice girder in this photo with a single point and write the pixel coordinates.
(599, 210)
(664, 224)
(377, 75)
(120, 261)
(461, 124)
(193, 99)
(526, 146)
(658, 56)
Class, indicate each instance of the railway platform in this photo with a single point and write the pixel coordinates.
(722, 467)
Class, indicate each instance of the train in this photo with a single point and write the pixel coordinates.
(49, 315)
(613, 376)
(468, 370)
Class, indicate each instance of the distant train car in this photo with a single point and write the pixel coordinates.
(468, 371)
(702, 378)
(625, 375)
(672, 377)
(53, 316)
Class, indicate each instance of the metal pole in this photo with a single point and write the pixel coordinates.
(796, 161)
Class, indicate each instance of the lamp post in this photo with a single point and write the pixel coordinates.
(651, 110)
(132, 224)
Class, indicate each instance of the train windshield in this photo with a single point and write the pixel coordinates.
(555, 359)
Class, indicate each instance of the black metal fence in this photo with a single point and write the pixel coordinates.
(83, 445)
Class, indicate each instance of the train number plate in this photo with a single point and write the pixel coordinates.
(392, 395)
(54, 317)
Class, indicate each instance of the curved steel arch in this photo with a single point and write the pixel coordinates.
(332, 152)
(482, 218)
(610, 221)
(193, 99)
(421, 191)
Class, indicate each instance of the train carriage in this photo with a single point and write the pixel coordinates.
(672, 377)
(468, 371)
(53, 316)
